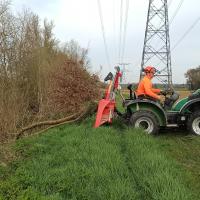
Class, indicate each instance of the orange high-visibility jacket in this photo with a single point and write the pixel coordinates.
(145, 88)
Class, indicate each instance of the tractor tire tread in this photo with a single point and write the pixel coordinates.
(135, 116)
(190, 121)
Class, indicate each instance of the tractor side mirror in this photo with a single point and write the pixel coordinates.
(129, 87)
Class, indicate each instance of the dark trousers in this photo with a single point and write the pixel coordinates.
(146, 97)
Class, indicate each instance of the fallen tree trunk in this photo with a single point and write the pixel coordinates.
(91, 108)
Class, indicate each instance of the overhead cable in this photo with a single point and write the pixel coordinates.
(176, 11)
(103, 33)
(173, 16)
(125, 29)
(114, 31)
(186, 33)
(169, 4)
(120, 29)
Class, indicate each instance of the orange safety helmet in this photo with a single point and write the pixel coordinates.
(148, 69)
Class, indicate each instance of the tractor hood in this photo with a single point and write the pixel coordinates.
(184, 104)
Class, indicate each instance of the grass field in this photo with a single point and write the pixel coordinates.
(79, 162)
(111, 162)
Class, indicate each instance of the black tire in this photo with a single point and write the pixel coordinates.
(194, 123)
(145, 120)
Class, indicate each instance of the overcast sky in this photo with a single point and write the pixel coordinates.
(79, 20)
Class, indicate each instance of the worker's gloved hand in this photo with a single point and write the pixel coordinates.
(165, 92)
(159, 98)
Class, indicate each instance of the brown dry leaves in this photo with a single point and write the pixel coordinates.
(71, 86)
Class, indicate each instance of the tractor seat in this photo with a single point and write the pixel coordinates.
(132, 94)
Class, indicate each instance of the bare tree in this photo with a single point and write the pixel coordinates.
(193, 78)
(76, 53)
(29, 55)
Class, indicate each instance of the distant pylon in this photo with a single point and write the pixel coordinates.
(123, 78)
(156, 50)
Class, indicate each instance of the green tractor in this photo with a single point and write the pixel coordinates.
(151, 116)
(147, 113)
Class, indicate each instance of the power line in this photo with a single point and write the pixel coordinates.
(169, 4)
(176, 11)
(186, 33)
(114, 31)
(120, 28)
(103, 33)
(125, 28)
(173, 16)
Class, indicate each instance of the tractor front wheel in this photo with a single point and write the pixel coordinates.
(145, 120)
(194, 123)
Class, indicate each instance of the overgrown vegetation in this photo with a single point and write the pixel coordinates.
(70, 87)
(79, 162)
(39, 77)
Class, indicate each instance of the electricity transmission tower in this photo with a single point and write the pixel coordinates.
(156, 50)
(123, 78)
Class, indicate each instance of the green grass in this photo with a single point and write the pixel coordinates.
(184, 148)
(79, 162)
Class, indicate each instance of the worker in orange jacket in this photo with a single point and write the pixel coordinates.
(145, 89)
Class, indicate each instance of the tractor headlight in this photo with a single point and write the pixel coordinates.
(183, 118)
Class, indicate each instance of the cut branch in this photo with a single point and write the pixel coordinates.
(67, 120)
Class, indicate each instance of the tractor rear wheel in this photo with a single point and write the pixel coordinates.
(194, 123)
(145, 120)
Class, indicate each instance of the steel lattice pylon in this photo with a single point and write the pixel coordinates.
(156, 50)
